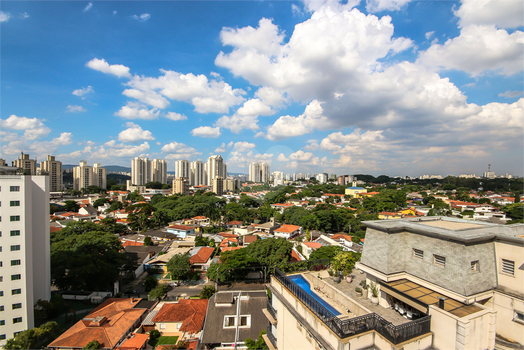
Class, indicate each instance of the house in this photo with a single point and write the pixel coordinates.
(201, 220)
(386, 215)
(411, 212)
(232, 317)
(309, 247)
(181, 230)
(354, 190)
(138, 256)
(110, 323)
(184, 318)
(281, 206)
(247, 240)
(288, 231)
(234, 224)
(468, 276)
(160, 261)
(268, 227)
(200, 258)
(136, 341)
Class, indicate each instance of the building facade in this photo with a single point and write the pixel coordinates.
(85, 176)
(25, 258)
(182, 169)
(140, 171)
(27, 165)
(159, 170)
(216, 167)
(198, 173)
(53, 168)
(181, 185)
(218, 185)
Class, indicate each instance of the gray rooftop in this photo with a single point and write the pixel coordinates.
(451, 228)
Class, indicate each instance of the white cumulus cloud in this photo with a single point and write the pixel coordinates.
(101, 65)
(502, 13)
(175, 116)
(134, 110)
(142, 18)
(75, 109)
(88, 7)
(83, 91)
(4, 16)
(206, 131)
(134, 133)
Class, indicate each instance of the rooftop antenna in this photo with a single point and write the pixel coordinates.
(489, 168)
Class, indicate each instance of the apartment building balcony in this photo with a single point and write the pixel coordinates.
(270, 313)
(270, 339)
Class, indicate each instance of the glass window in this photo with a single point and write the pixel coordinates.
(14, 188)
(2, 336)
(1, 293)
(1, 307)
(17, 306)
(16, 291)
(475, 265)
(15, 247)
(16, 277)
(15, 233)
(15, 203)
(15, 218)
(17, 319)
(2, 322)
(15, 262)
(229, 321)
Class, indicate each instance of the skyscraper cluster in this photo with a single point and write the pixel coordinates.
(144, 170)
(85, 176)
(259, 172)
(199, 173)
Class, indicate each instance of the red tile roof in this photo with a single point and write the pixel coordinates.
(250, 239)
(227, 235)
(191, 312)
(314, 245)
(136, 342)
(199, 217)
(341, 236)
(202, 256)
(126, 243)
(227, 249)
(295, 256)
(287, 228)
(107, 324)
(234, 223)
(54, 228)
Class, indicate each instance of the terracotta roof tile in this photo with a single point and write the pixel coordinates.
(191, 312)
(288, 228)
(202, 256)
(314, 245)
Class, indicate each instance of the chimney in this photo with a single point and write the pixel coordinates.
(441, 302)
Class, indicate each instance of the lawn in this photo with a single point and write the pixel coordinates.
(163, 341)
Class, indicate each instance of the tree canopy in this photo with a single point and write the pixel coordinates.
(178, 266)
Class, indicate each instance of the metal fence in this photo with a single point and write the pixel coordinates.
(353, 326)
(272, 311)
(271, 336)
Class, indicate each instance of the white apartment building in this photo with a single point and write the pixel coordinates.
(159, 170)
(85, 176)
(254, 172)
(53, 168)
(215, 167)
(322, 178)
(24, 242)
(140, 171)
(28, 165)
(182, 169)
(198, 173)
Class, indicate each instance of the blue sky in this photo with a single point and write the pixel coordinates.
(393, 87)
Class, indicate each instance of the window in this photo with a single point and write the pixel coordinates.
(519, 317)
(1, 293)
(15, 247)
(1, 307)
(17, 319)
(17, 306)
(475, 266)
(2, 322)
(14, 188)
(417, 253)
(439, 260)
(1, 263)
(1, 278)
(299, 326)
(16, 277)
(245, 321)
(16, 291)
(14, 203)
(162, 326)
(15, 218)
(15, 262)
(2, 336)
(508, 266)
(229, 321)
(15, 233)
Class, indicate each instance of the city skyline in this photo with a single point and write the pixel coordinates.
(376, 87)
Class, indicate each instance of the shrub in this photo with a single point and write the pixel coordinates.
(150, 283)
(358, 289)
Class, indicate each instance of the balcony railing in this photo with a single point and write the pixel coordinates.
(271, 336)
(352, 326)
(272, 311)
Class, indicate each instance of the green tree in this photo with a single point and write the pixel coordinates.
(92, 345)
(207, 292)
(269, 251)
(158, 292)
(259, 344)
(325, 252)
(148, 241)
(34, 338)
(71, 206)
(116, 205)
(178, 266)
(85, 257)
(517, 197)
(514, 211)
(150, 283)
(100, 201)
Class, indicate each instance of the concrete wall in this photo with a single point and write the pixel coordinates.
(476, 331)
(393, 253)
(506, 306)
(514, 252)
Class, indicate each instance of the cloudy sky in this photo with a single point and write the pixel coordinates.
(393, 87)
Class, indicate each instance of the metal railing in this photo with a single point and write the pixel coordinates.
(349, 327)
(271, 336)
(272, 311)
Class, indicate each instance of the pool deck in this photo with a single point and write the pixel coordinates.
(348, 289)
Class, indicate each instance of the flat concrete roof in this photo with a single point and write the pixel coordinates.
(451, 228)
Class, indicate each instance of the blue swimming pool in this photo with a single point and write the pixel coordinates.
(302, 283)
